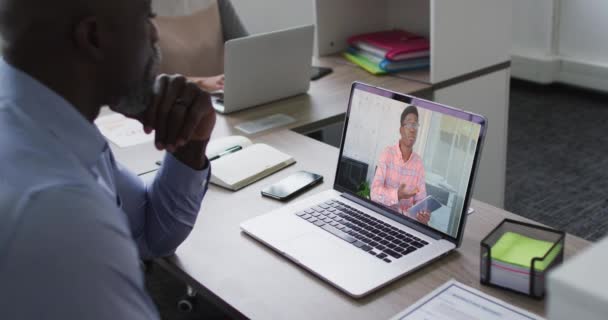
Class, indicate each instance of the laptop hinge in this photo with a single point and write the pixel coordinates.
(385, 212)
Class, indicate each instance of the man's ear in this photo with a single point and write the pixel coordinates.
(87, 38)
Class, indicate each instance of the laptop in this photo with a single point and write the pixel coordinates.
(265, 67)
(361, 235)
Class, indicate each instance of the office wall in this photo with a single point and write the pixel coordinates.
(561, 41)
(583, 43)
(532, 27)
(533, 51)
(583, 26)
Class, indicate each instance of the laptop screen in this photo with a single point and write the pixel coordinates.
(413, 157)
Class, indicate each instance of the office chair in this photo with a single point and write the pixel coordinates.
(193, 44)
(352, 173)
(439, 193)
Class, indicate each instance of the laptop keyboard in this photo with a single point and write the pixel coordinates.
(365, 232)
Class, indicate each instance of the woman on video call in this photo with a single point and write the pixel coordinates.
(399, 182)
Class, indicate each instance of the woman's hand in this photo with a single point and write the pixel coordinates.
(209, 84)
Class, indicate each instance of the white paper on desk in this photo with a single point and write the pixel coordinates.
(456, 301)
(122, 131)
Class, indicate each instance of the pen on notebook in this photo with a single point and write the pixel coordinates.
(223, 153)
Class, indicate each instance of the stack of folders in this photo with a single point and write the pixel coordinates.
(389, 51)
(511, 261)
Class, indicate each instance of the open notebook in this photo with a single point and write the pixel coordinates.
(252, 162)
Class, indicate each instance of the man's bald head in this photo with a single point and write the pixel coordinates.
(102, 48)
(20, 18)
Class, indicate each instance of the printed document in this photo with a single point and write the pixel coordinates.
(122, 131)
(456, 301)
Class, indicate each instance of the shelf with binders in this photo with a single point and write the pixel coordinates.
(465, 36)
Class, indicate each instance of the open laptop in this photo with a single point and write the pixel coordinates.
(360, 240)
(265, 67)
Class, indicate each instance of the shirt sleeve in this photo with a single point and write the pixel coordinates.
(379, 190)
(162, 212)
(71, 256)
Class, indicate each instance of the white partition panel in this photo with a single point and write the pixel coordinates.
(487, 95)
(468, 35)
(411, 15)
(339, 19)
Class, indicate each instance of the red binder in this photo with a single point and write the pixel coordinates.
(392, 44)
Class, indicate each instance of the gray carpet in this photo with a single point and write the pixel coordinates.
(557, 162)
(557, 174)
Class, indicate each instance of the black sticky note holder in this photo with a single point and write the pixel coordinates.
(514, 279)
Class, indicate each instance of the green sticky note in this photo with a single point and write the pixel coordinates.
(364, 63)
(519, 250)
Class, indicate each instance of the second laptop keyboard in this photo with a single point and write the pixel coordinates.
(362, 230)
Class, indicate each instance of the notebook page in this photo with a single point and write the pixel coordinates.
(246, 163)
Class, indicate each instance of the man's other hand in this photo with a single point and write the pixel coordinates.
(405, 193)
(180, 112)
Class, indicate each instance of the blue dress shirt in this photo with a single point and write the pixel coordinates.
(73, 222)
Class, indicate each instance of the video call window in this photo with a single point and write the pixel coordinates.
(415, 161)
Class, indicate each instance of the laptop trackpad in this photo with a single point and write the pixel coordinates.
(330, 257)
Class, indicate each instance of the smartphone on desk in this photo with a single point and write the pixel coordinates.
(292, 185)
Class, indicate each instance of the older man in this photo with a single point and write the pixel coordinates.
(73, 222)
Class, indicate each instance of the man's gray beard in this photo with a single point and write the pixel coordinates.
(137, 101)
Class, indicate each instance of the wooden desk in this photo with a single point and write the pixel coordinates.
(241, 274)
(325, 103)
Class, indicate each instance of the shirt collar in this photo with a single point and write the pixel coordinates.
(399, 154)
(52, 112)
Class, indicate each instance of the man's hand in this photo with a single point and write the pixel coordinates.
(209, 84)
(183, 118)
(404, 193)
(423, 217)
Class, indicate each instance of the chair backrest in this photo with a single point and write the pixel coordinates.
(192, 45)
(353, 173)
